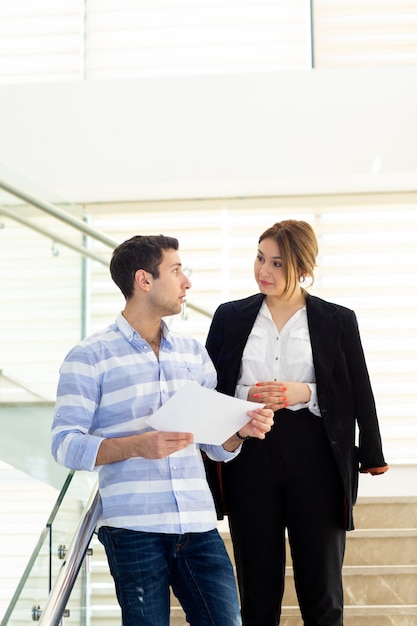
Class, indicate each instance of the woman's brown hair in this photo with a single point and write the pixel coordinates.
(298, 249)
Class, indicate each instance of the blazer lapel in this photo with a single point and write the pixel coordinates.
(239, 326)
(324, 335)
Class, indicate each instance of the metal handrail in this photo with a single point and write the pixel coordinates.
(47, 233)
(59, 214)
(22, 385)
(71, 221)
(64, 583)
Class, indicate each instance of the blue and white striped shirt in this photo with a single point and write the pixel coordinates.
(108, 385)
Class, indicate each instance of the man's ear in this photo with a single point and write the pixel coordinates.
(141, 279)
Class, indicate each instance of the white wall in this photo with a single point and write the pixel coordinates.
(273, 133)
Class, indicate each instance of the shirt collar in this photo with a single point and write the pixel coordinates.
(265, 312)
(131, 334)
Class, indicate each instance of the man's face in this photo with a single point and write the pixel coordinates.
(169, 289)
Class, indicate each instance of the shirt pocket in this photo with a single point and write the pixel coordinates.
(182, 371)
(299, 347)
(254, 365)
(256, 346)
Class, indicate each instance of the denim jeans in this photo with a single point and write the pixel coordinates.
(196, 566)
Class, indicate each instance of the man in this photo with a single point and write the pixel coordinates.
(158, 523)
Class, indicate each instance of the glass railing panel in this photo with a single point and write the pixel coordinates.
(69, 583)
(67, 518)
(46, 562)
(33, 590)
(103, 607)
(93, 599)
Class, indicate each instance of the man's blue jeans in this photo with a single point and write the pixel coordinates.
(195, 565)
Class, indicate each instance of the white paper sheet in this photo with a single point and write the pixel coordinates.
(211, 416)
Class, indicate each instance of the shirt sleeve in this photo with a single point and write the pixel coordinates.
(242, 392)
(218, 453)
(313, 404)
(78, 390)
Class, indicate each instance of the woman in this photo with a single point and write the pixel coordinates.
(302, 357)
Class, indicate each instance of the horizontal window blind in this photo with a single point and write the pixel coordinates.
(41, 305)
(353, 33)
(128, 39)
(40, 41)
(70, 40)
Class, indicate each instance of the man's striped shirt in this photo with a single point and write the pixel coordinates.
(108, 385)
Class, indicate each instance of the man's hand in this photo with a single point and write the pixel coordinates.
(154, 444)
(261, 423)
(158, 444)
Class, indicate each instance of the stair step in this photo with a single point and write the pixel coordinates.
(363, 585)
(381, 615)
(382, 546)
(370, 585)
(389, 512)
(378, 512)
(370, 546)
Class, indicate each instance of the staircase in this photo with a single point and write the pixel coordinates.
(380, 572)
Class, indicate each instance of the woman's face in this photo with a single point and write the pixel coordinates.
(268, 269)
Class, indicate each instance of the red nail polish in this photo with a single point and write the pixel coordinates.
(256, 395)
(256, 384)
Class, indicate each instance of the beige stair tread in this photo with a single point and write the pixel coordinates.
(379, 570)
(380, 609)
(370, 570)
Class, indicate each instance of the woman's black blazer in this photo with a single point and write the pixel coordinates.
(344, 391)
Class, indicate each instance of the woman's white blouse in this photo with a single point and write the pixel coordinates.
(270, 355)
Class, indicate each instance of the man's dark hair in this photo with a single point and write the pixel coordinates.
(139, 252)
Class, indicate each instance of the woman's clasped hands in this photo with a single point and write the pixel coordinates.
(279, 395)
